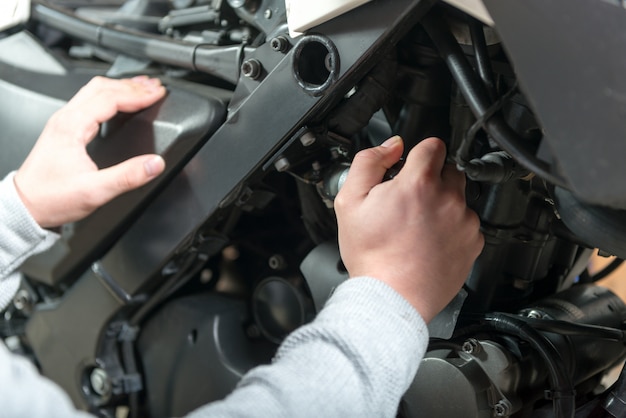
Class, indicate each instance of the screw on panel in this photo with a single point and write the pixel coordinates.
(251, 68)
(471, 346)
(502, 408)
(100, 382)
(282, 164)
(307, 139)
(279, 44)
(267, 14)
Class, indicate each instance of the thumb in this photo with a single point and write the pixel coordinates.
(127, 175)
(370, 165)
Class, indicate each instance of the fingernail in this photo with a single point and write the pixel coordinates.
(391, 142)
(154, 166)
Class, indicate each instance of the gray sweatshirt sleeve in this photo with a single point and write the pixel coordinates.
(356, 358)
(20, 237)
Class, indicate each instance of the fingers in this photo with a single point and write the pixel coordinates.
(369, 167)
(102, 98)
(125, 176)
(426, 159)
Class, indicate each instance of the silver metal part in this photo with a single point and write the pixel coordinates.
(100, 382)
(307, 139)
(282, 164)
(478, 381)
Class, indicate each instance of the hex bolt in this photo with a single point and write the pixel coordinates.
(267, 13)
(471, 346)
(307, 139)
(100, 382)
(502, 408)
(279, 44)
(251, 68)
(282, 164)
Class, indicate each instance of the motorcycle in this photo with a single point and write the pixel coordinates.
(161, 300)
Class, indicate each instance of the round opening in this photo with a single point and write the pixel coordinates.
(316, 63)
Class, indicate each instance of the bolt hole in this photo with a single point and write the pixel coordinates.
(316, 63)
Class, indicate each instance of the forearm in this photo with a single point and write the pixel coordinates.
(356, 359)
(20, 237)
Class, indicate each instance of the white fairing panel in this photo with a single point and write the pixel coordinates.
(13, 12)
(305, 14)
(475, 8)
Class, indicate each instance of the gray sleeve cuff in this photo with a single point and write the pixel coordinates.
(20, 237)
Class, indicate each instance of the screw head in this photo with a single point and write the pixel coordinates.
(100, 382)
(502, 408)
(279, 44)
(282, 164)
(277, 262)
(471, 346)
(307, 139)
(251, 68)
(267, 13)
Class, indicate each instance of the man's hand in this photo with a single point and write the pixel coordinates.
(414, 232)
(59, 182)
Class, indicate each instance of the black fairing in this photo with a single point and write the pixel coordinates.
(199, 343)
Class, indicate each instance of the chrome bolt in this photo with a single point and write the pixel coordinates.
(100, 382)
(307, 139)
(533, 314)
(471, 346)
(502, 408)
(267, 13)
(282, 164)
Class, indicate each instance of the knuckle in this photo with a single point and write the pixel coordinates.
(340, 202)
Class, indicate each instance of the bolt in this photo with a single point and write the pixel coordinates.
(251, 68)
(282, 164)
(307, 139)
(267, 13)
(277, 262)
(22, 300)
(471, 346)
(100, 382)
(279, 44)
(502, 408)
(533, 314)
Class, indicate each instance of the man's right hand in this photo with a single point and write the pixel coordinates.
(414, 232)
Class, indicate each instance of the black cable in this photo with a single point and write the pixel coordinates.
(573, 328)
(463, 153)
(562, 393)
(481, 54)
(478, 99)
(219, 61)
(610, 268)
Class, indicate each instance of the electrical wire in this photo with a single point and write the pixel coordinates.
(562, 388)
(478, 99)
(481, 54)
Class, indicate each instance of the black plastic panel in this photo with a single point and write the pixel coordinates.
(569, 58)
